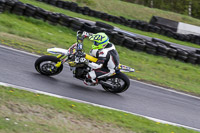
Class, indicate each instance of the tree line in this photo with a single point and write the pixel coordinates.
(186, 7)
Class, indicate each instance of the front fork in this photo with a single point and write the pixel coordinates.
(63, 59)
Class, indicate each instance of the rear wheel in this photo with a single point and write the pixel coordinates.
(120, 83)
(45, 65)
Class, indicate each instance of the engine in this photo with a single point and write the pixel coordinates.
(80, 72)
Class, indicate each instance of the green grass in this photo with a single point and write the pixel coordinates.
(35, 113)
(36, 36)
(110, 5)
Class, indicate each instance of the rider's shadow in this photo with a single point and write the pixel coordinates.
(93, 89)
(79, 87)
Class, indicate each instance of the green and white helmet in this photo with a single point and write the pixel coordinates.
(100, 40)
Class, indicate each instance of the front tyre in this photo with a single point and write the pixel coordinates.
(120, 83)
(45, 65)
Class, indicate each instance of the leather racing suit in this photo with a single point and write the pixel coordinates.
(107, 63)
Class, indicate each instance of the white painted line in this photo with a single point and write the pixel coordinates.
(98, 105)
(130, 79)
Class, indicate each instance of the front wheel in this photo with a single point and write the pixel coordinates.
(45, 65)
(120, 83)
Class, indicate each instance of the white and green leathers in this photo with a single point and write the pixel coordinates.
(108, 58)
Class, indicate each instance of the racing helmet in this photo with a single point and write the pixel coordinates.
(100, 40)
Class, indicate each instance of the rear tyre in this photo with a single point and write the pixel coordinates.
(120, 81)
(45, 65)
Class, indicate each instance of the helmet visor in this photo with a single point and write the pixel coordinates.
(95, 43)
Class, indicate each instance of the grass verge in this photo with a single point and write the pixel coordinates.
(22, 111)
(36, 36)
(73, 14)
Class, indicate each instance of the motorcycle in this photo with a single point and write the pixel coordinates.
(76, 59)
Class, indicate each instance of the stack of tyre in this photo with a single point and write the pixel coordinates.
(19, 8)
(156, 46)
(2, 5)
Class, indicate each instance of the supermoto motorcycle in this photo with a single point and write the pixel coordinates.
(76, 59)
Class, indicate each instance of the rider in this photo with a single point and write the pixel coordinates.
(108, 58)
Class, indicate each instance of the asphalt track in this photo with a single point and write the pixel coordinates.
(18, 68)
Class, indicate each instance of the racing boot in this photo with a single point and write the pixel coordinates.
(91, 79)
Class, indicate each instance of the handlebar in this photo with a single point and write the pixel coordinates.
(81, 35)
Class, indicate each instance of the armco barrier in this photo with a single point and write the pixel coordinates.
(157, 25)
(156, 46)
